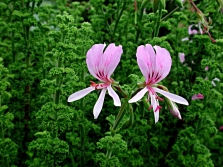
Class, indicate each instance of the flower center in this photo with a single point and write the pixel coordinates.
(100, 85)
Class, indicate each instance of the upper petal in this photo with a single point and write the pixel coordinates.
(163, 63)
(98, 106)
(111, 58)
(146, 59)
(114, 95)
(94, 56)
(79, 94)
(139, 95)
(171, 96)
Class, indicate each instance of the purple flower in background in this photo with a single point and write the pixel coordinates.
(101, 65)
(155, 66)
(182, 57)
(192, 31)
(197, 96)
(206, 68)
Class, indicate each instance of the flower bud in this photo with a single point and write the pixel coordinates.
(173, 108)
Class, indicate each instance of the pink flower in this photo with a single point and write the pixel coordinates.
(193, 31)
(221, 128)
(101, 66)
(182, 57)
(206, 68)
(190, 31)
(154, 66)
(197, 96)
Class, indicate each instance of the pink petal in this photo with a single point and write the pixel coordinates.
(138, 96)
(79, 94)
(190, 31)
(94, 56)
(114, 95)
(206, 68)
(182, 57)
(197, 96)
(171, 96)
(146, 60)
(174, 110)
(163, 62)
(98, 106)
(185, 39)
(111, 58)
(154, 104)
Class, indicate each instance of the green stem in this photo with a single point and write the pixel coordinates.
(82, 136)
(109, 152)
(82, 126)
(33, 5)
(138, 21)
(58, 79)
(156, 32)
(2, 136)
(57, 96)
(124, 94)
(177, 58)
(110, 31)
(169, 14)
(119, 117)
(72, 158)
(118, 19)
(13, 47)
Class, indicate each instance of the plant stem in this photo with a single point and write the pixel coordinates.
(138, 22)
(58, 78)
(169, 14)
(108, 154)
(119, 117)
(177, 58)
(156, 32)
(2, 136)
(118, 19)
(57, 96)
(82, 136)
(110, 31)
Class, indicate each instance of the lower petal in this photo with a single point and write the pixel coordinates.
(80, 94)
(114, 95)
(155, 104)
(98, 106)
(139, 95)
(171, 96)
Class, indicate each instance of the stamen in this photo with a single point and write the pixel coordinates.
(150, 107)
(159, 98)
(157, 108)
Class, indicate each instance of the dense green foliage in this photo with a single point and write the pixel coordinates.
(43, 48)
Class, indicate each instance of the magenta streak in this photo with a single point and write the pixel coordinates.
(157, 108)
(150, 107)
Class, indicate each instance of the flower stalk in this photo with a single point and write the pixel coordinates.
(158, 21)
